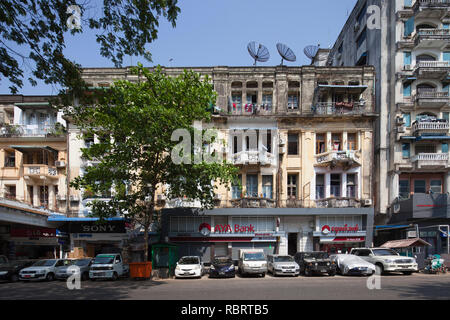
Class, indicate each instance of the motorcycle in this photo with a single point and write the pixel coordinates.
(434, 264)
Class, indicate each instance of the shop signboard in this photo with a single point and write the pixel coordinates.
(34, 233)
(332, 225)
(95, 227)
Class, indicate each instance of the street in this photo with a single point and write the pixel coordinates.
(416, 286)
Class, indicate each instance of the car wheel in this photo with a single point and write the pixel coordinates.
(85, 276)
(263, 275)
(14, 278)
(115, 276)
(308, 272)
(50, 277)
(407, 273)
(332, 274)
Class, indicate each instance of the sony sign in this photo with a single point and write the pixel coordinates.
(99, 228)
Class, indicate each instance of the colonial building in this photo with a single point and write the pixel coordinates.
(303, 140)
(410, 48)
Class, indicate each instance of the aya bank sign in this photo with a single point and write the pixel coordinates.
(205, 229)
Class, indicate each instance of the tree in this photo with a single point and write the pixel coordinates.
(135, 123)
(33, 35)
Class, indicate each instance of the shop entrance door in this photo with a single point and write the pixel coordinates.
(292, 243)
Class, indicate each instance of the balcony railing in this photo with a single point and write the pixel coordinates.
(335, 156)
(430, 126)
(432, 65)
(29, 131)
(251, 109)
(423, 4)
(338, 108)
(430, 157)
(254, 202)
(40, 170)
(253, 157)
(338, 203)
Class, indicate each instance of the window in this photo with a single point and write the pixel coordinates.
(406, 153)
(420, 186)
(236, 188)
(362, 38)
(407, 58)
(236, 100)
(435, 186)
(292, 186)
(267, 101)
(252, 98)
(406, 90)
(11, 192)
(335, 185)
(292, 102)
(268, 143)
(252, 185)
(10, 159)
(351, 141)
(235, 144)
(444, 148)
(320, 186)
(267, 182)
(351, 185)
(403, 188)
(293, 144)
(429, 148)
(336, 142)
(320, 143)
(445, 115)
(43, 195)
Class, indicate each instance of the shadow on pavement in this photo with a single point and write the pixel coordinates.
(425, 291)
(57, 290)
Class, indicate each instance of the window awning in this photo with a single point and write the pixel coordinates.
(407, 138)
(406, 243)
(433, 138)
(32, 105)
(25, 149)
(61, 218)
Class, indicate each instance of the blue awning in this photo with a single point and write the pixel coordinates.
(407, 138)
(393, 227)
(433, 138)
(59, 218)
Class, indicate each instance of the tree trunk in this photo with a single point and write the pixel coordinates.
(146, 227)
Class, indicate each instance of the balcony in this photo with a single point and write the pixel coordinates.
(431, 98)
(338, 108)
(338, 203)
(431, 38)
(430, 160)
(253, 157)
(253, 203)
(346, 159)
(421, 206)
(432, 69)
(32, 131)
(430, 8)
(251, 110)
(39, 171)
(419, 128)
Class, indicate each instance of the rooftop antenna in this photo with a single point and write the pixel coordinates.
(258, 52)
(286, 53)
(311, 51)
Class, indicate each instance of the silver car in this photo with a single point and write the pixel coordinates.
(64, 272)
(282, 265)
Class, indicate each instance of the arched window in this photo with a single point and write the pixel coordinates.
(425, 88)
(425, 57)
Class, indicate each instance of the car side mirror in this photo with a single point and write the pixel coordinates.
(371, 255)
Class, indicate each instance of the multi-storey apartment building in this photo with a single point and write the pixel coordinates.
(303, 140)
(410, 49)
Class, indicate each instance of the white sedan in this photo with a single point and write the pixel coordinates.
(349, 264)
(189, 267)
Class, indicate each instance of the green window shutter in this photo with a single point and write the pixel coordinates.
(407, 58)
(406, 150)
(407, 118)
(444, 148)
(409, 27)
(407, 90)
(446, 56)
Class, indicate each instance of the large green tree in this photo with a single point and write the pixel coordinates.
(135, 123)
(33, 35)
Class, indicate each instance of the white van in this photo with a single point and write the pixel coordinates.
(252, 261)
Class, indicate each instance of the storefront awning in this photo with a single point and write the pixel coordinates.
(406, 243)
(58, 218)
(433, 138)
(24, 149)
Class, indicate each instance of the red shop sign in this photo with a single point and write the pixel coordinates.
(33, 233)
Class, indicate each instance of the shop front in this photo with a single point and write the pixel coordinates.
(90, 237)
(33, 243)
(339, 234)
(209, 236)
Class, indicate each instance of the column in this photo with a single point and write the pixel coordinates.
(344, 141)
(327, 185)
(344, 185)
(329, 148)
(394, 187)
(447, 183)
(35, 195)
(51, 197)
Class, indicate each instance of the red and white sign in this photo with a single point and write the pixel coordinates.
(205, 229)
(226, 228)
(33, 233)
(326, 229)
(342, 239)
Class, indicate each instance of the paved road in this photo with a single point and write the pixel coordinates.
(416, 286)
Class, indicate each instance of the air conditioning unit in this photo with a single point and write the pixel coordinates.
(282, 141)
(400, 121)
(367, 202)
(60, 164)
(282, 150)
(61, 197)
(401, 129)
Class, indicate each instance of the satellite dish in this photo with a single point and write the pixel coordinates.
(311, 51)
(258, 52)
(286, 53)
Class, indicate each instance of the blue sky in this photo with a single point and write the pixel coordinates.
(216, 32)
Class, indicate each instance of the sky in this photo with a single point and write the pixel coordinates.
(216, 33)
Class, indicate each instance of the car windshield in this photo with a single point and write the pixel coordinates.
(316, 255)
(283, 259)
(189, 260)
(257, 256)
(104, 260)
(82, 262)
(44, 263)
(222, 260)
(384, 252)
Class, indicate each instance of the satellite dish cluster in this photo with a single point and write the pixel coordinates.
(260, 53)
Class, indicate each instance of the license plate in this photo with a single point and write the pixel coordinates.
(27, 276)
(186, 273)
(100, 273)
(221, 273)
(323, 270)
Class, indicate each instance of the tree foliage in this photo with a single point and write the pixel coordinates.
(134, 122)
(33, 35)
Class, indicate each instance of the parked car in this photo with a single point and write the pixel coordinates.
(252, 261)
(387, 260)
(84, 265)
(42, 269)
(349, 264)
(315, 262)
(108, 266)
(282, 265)
(189, 267)
(222, 267)
(9, 270)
